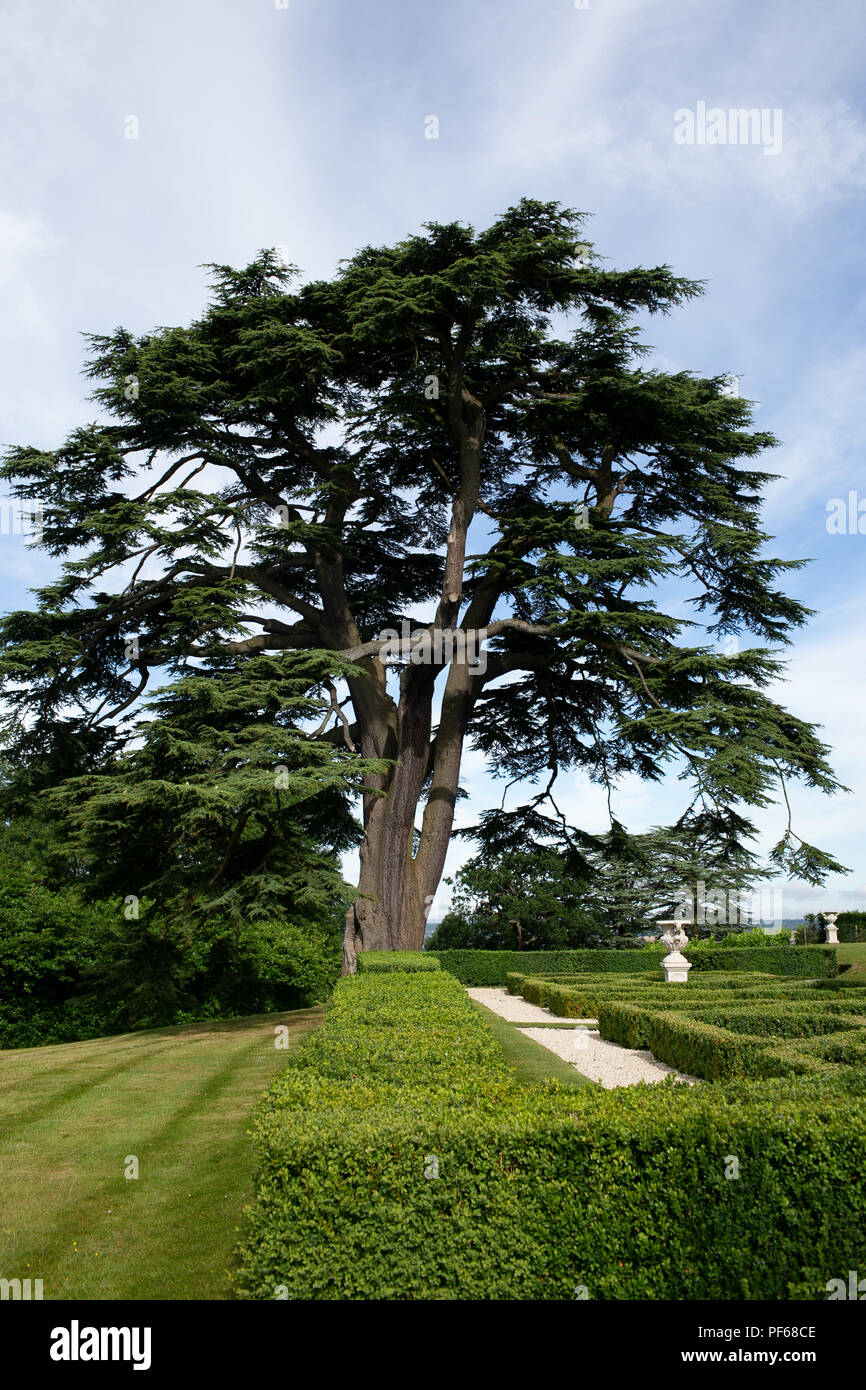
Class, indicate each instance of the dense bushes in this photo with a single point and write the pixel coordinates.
(399, 1160)
(50, 945)
(494, 967)
(379, 961)
(71, 971)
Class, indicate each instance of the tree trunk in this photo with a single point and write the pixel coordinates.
(388, 912)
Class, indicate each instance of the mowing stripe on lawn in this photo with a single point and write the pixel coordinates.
(181, 1102)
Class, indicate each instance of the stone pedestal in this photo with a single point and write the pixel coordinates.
(831, 928)
(676, 968)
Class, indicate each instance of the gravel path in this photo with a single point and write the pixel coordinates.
(603, 1061)
(584, 1048)
(515, 1009)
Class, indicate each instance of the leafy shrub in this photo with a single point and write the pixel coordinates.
(271, 966)
(48, 939)
(851, 926)
(741, 940)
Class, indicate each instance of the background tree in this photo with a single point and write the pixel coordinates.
(528, 900)
(608, 887)
(377, 418)
(702, 869)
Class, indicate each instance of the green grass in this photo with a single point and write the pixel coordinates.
(528, 1059)
(180, 1100)
(853, 954)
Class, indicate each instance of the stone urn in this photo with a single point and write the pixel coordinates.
(674, 964)
(831, 928)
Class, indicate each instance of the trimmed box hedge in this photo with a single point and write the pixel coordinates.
(494, 967)
(582, 998)
(396, 960)
(719, 1043)
(807, 961)
(399, 1160)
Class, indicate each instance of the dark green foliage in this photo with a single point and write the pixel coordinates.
(225, 806)
(50, 946)
(851, 926)
(524, 901)
(610, 886)
(539, 1189)
(49, 939)
(69, 970)
(379, 961)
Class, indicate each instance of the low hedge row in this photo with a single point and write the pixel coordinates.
(700, 1048)
(396, 960)
(582, 999)
(494, 967)
(399, 1160)
(709, 980)
(716, 1043)
(811, 961)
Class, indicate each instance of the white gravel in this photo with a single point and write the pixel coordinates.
(584, 1048)
(515, 1009)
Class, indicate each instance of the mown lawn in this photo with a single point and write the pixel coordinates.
(852, 953)
(177, 1099)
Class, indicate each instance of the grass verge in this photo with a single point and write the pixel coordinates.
(529, 1061)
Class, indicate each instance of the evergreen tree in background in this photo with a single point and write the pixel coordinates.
(609, 887)
(458, 431)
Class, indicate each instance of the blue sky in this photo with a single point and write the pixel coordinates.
(304, 127)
